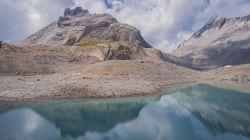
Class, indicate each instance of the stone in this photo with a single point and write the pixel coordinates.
(61, 20)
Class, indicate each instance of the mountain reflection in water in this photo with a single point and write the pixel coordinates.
(199, 112)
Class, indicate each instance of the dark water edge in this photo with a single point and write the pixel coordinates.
(199, 112)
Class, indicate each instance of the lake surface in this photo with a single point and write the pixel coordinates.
(200, 112)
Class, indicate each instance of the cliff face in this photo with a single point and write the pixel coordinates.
(220, 42)
(78, 24)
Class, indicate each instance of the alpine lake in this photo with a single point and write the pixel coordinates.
(197, 112)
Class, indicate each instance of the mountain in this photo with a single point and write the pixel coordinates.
(77, 38)
(220, 42)
(78, 24)
(97, 33)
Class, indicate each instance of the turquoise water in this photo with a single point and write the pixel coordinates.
(200, 112)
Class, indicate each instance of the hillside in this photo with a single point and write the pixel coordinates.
(220, 42)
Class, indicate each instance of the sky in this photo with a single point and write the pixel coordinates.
(163, 23)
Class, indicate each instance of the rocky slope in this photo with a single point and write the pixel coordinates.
(222, 41)
(110, 38)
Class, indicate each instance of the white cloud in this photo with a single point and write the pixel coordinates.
(163, 23)
(229, 8)
(166, 23)
(95, 6)
(21, 18)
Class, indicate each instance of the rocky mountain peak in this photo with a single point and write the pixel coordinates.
(216, 17)
(215, 22)
(78, 24)
(98, 35)
(78, 11)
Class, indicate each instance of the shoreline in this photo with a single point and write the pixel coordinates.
(166, 89)
(158, 92)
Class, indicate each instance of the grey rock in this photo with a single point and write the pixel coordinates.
(1, 43)
(61, 20)
(121, 52)
(220, 42)
(78, 11)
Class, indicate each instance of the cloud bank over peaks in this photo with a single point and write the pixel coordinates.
(163, 23)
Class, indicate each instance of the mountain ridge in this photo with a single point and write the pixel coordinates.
(220, 42)
(218, 21)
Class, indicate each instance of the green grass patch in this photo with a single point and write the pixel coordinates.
(88, 42)
(44, 48)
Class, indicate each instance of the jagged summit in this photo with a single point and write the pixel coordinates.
(215, 22)
(216, 17)
(78, 24)
(78, 11)
(220, 42)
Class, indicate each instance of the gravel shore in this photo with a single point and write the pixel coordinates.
(102, 80)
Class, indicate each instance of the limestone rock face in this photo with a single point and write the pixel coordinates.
(220, 42)
(78, 24)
